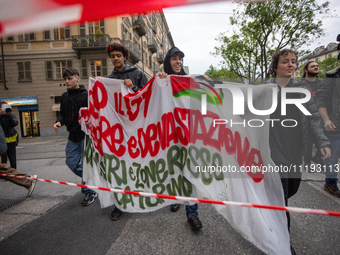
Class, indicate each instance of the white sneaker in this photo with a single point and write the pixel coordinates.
(33, 182)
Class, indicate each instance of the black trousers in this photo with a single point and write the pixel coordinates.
(290, 184)
(11, 153)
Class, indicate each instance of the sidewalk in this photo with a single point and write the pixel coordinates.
(44, 156)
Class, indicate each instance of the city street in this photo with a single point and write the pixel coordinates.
(53, 221)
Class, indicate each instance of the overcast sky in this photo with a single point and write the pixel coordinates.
(195, 27)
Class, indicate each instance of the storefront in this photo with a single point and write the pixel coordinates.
(28, 114)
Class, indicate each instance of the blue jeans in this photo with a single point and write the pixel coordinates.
(74, 160)
(191, 209)
(332, 163)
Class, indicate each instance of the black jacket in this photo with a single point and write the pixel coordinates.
(137, 77)
(8, 122)
(3, 145)
(71, 102)
(311, 122)
(329, 95)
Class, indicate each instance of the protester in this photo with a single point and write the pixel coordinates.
(6, 169)
(327, 100)
(133, 78)
(310, 77)
(173, 64)
(71, 101)
(286, 142)
(8, 121)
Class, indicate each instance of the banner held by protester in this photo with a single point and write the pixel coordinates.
(157, 140)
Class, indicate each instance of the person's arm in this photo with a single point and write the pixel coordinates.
(328, 124)
(3, 144)
(162, 75)
(316, 128)
(60, 120)
(13, 122)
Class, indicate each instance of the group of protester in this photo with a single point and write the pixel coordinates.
(286, 144)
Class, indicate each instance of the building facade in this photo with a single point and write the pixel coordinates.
(32, 63)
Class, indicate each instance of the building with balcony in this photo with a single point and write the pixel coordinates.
(319, 54)
(32, 65)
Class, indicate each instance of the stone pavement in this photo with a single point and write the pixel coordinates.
(52, 220)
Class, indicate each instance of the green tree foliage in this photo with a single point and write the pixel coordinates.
(265, 27)
(328, 64)
(222, 74)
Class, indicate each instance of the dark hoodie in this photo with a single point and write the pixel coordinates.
(71, 102)
(167, 65)
(133, 73)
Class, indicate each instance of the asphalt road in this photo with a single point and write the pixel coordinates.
(53, 221)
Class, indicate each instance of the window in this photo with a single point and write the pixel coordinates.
(126, 34)
(21, 38)
(90, 28)
(317, 52)
(54, 69)
(24, 71)
(150, 61)
(58, 33)
(97, 68)
(136, 40)
(145, 58)
(331, 47)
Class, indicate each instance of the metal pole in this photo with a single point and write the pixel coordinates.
(3, 64)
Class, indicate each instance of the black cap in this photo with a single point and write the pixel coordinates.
(174, 50)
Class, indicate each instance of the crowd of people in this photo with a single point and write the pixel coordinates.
(288, 145)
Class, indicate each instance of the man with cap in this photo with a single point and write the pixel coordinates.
(173, 64)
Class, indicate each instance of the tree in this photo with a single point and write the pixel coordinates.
(264, 28)
(328, 64)
(222, 74)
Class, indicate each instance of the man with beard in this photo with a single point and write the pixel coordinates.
(310, 77)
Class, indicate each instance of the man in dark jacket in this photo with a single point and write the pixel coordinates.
(8, 121)
(327, 99)
(310, 78)
(71, 101)
(133, 78)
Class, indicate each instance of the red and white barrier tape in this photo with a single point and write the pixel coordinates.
(190, 199)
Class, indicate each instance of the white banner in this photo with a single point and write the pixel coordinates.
(165, 139)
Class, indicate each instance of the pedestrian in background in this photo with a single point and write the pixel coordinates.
(310, 77)
(71, 101)
(6, 169)
(327, 100)
(8, 121)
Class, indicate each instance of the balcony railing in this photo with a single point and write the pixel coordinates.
(160, 57)
(152, 44)
(90, 42)
(139, 25)
(134, 52)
